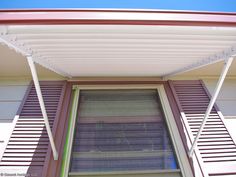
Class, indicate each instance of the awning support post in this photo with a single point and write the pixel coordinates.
(212, 102)
(42, 106)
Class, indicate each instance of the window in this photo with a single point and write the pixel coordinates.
(121, 131)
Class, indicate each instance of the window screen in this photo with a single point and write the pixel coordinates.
(121, 130)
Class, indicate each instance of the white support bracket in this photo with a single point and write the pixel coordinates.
(228, 62)
(42, 106)
(29, 53)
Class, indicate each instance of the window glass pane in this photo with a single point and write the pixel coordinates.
(120, 130)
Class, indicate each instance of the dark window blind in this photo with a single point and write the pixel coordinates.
(121, 130)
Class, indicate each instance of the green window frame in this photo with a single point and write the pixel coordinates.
(184, 166)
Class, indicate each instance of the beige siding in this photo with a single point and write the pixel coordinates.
(8, 110)
(11, 96)
(227, 97)
(226, 102)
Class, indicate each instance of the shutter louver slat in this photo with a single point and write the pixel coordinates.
(29, 141)
(216, 147)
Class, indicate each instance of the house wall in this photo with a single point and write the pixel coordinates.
(226, 101)
(227, 96)
(11, 94)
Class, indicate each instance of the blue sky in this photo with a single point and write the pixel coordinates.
(198, 5)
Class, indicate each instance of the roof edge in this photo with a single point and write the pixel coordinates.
(116, 16)
(116, 10)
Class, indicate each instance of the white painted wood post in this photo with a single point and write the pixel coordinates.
(212, 102)
(42, 106)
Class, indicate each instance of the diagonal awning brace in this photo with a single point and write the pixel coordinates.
(227, 64)
(42, 105)
(37, 87)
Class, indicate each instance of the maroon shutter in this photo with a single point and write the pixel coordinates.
(216, 148)
(29, 143)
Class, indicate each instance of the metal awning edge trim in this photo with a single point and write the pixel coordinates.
(11, 43)
(204, 62)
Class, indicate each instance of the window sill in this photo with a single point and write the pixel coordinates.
(128, 173)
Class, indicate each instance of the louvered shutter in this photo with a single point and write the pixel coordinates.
(216, 150)
(29, 143)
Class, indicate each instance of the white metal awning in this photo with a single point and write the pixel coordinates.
(121, 50)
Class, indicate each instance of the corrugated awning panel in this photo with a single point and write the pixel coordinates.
(122, 50)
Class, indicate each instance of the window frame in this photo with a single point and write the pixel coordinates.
(181, 157)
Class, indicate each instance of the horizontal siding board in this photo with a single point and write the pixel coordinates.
(8, 110)
(12, 92)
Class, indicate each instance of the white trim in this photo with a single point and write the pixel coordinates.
(12, 43)
(5, 40)
(73, 116)
(175, 136)
(207, 61)
(42, 106)
(212, 102)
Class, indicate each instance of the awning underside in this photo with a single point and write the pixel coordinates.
(121, 50)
